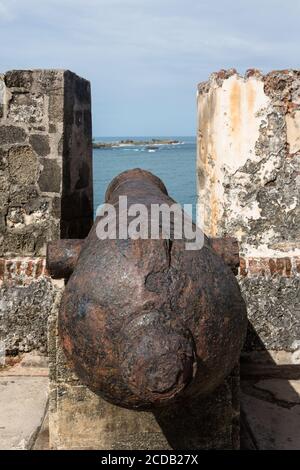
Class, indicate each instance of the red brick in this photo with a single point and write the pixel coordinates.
(39, 268)
(29, 268)
(280, 265)
(272, 266)
(264, 266)
(288, 267)
(2, 269)
(243, 269)
(18, 267)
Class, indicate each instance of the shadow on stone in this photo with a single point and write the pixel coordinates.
(270, 397)
(204, 423)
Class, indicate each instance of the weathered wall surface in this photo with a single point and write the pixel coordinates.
(248, 168)
(45, 191)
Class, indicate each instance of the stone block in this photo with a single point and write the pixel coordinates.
(23, 165)
(56, 108)
(79, 419)
(27, 109)
(11, 135)
(40, 144)
(50, 177)
(19, 79)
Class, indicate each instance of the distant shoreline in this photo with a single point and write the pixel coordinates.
(135, 143)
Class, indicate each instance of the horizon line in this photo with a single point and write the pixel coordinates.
(147, 135)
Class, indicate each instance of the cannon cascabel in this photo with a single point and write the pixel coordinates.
(145, 323)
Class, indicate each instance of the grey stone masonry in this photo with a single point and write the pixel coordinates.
(248, 169)
(45, 191)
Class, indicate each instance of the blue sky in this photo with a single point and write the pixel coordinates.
(144, 58)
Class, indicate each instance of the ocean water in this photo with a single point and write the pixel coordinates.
(174, 164)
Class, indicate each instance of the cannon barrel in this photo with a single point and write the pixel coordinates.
(145, 323)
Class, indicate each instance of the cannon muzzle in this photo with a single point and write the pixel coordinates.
(146, 322)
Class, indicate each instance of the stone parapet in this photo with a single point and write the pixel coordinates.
(248, 166)
(45, 191)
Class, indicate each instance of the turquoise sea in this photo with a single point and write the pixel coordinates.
(174, 164)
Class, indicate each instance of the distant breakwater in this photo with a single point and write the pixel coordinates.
(134, 143)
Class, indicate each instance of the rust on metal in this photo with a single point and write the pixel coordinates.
(145, 323)
(62, 256)
(228, 249)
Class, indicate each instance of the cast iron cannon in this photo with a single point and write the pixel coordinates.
(145, 323)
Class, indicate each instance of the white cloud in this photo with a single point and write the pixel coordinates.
(5, 12)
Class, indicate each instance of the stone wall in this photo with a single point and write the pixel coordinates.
(45, 192)
(248, 168)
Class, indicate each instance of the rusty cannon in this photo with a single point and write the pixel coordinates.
(147, 323)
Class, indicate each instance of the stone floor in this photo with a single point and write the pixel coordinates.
(270, 407)
(23, 402)
(270, 401)
(271, 414)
